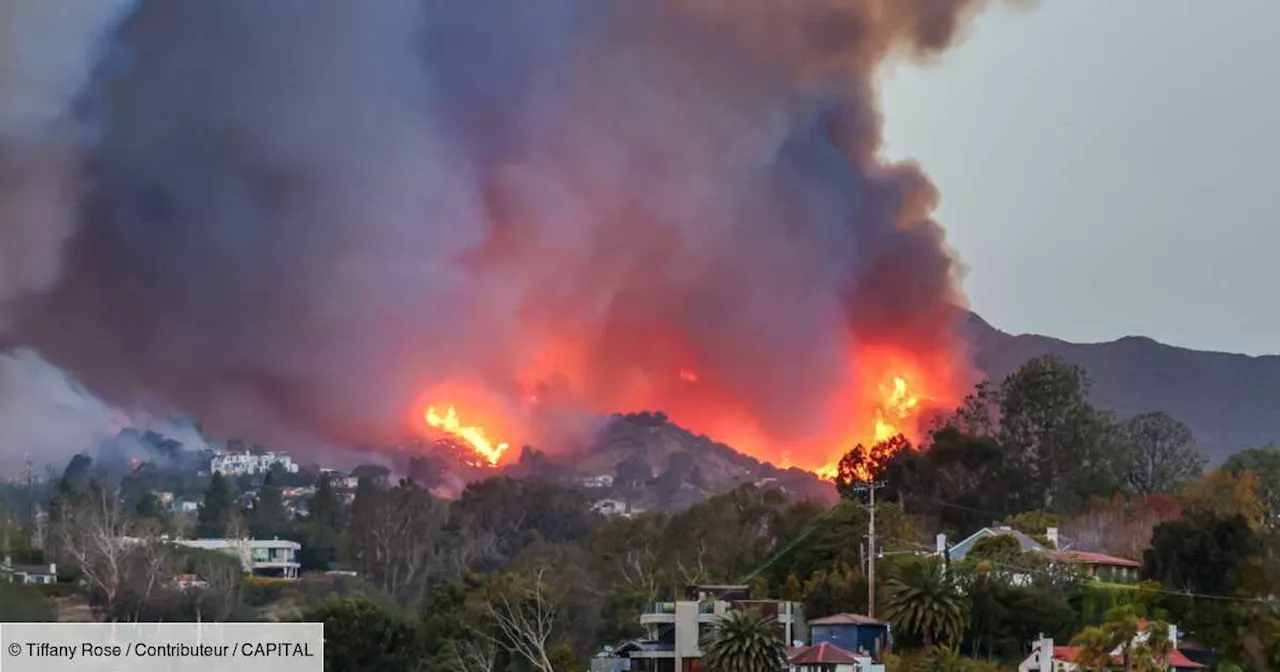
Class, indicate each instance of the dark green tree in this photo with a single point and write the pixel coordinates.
(360, 635)
(217, 509)
(269, 517)
(1061, 446)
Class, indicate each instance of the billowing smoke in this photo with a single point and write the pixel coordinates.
(45, 416)
(307, 219)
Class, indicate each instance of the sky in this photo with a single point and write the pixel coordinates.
(1109, 167)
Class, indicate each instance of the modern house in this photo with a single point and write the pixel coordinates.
(259, 557)
(31, 574)
(1046, 657)
(854, 633)
(676, 628)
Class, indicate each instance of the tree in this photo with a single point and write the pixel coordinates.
(1223, 494)
(744, 641)
(1160, 453)
(1143, 645)
(1052, 435)
(397, 535)
(217, 509)
(523, 617)
(863, 465)
(326, 507)
(925, 600)
(1264, 463)
(269, 517)
(360, 634)
(1202, 554)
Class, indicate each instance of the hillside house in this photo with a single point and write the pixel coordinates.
(1047, 657)
(237, 464)
(595, 482)
(611, 508)
(29, 574)
(1096, 566)
(259, 557)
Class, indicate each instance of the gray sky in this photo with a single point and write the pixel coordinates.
(1109, 167)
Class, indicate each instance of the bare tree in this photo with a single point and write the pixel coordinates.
(524, 624)
(478, 654)
(398, 539)
(93, 535)
(1161, 453)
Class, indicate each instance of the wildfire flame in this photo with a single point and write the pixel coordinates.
(473, 435)
(897, 407)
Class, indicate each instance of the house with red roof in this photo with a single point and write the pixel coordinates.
(827, 657)
(1048, 657)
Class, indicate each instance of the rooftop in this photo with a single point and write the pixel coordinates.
(1091, 558)
(821, 654)
(846, 619)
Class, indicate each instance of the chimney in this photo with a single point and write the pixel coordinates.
(1052, 534)
(942, 544)
(53, 568)
(1173, 636)
(1046, 654)
(8, 561)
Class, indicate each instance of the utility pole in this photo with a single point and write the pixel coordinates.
(871, 488)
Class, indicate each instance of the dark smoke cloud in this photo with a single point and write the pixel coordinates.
(306, 213)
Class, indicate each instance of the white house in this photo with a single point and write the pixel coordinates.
(601, 481)
(610, 508)
(1047, 657)
(260, 557)
(236, 464)
(34, 574)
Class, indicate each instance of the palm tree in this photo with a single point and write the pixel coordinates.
(1120, 633)
(744, 641)
(924, 599)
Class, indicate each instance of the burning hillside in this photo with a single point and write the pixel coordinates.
(320, 222)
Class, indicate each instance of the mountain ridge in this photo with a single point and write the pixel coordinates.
(1231, 401)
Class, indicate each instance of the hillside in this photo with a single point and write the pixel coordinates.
(1229, 401)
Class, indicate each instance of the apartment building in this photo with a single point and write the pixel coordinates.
(676, 628)
(236, 464)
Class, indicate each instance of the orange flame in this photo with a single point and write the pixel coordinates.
(474, 436)
(897, 408)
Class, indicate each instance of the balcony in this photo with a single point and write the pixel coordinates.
(659, 612)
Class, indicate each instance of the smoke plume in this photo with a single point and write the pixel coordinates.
(308, 219)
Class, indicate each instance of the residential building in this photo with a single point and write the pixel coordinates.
(31, 574)
(260, 557)
(1047, 657)
(601, 481)
(611, 508)
(825, 657)
(236, 464)
(855, 633)
(1096, 566)
(676, 628)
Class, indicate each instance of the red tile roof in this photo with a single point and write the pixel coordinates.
(846, 619)
(1091, 558)
(821, 654)
(1176, 658)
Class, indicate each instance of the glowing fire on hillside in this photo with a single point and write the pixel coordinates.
(474, 436)
(884, 397)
